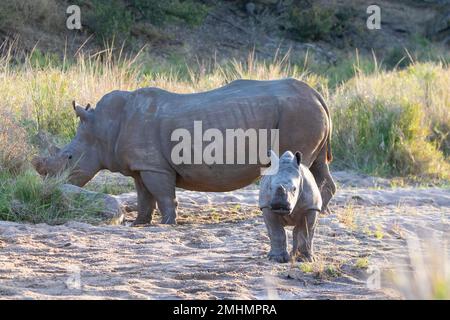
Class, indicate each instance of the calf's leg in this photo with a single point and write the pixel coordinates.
(162, 187)
(277, 234)
(303, 235)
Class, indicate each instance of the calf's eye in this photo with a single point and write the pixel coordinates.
(70, 157)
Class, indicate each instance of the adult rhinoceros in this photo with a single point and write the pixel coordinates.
(130, 133)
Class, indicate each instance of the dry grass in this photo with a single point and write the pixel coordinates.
(347, 216)
(15, 151)
(428, 275)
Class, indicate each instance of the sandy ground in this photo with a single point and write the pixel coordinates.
(218, 251)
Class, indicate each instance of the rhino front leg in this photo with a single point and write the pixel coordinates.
(303, 235)
(146, 203)
(162, 187)
(277, 234)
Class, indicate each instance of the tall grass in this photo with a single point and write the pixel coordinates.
(393, 123)
(427, 275)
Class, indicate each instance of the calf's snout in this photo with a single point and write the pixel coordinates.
(280, 203)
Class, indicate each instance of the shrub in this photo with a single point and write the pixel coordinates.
(312, 23)
(317, 22)
(109, 19)
(115, 19)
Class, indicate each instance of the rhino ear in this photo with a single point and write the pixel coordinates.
(273, 157)
(80, 111)
(88, 107)
(298, 157)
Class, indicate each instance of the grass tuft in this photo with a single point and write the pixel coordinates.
(27, 197)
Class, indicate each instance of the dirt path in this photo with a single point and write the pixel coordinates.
(209, 257)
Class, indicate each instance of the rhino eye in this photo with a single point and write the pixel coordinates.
(70, 157)
(294, 189)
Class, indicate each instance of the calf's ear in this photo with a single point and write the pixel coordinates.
(298, 157)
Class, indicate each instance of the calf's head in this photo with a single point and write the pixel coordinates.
(81, 156)
(287, 184)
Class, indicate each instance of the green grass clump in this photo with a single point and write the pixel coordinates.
(362, 263)
(27, 197)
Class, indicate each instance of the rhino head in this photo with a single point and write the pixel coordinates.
(286, 184)
(81, 156)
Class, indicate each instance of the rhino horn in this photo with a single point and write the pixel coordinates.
(38, 163)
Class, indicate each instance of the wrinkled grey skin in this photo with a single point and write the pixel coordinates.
(290, 198)
(130, 133)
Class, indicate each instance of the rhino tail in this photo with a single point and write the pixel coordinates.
(330, 129)
(329, 153)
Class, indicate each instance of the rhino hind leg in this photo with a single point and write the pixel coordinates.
(324, 180)
(146, 203)
(277, 234)
(162, 187)
(303, 236)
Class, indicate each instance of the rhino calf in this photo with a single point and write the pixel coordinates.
(290, 197)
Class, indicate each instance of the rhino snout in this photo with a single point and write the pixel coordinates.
(280, 203)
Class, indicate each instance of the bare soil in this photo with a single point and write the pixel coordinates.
(218, 250)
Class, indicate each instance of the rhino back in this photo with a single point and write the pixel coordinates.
(149, 116)
(243, 104)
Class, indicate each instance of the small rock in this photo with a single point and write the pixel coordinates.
(112, 212)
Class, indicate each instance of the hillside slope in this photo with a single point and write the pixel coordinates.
(191, 29)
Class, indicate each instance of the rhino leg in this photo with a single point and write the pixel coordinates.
(162, 187)
(146, 203)
(277, 234)
(325, 182)
(303, 235)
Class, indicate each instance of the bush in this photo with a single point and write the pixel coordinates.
(115, 19)
(109, 19)
(310, 24)
(316, 22)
